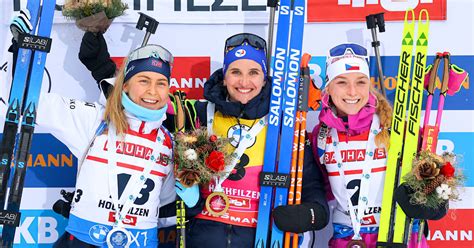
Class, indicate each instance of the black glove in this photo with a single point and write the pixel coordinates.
(402, 196)
(63, 207)
(299, 218)
(95, 56)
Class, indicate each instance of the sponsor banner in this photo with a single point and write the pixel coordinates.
(51, 164)
(256, 11)
(452, 231)
(189, 74)
(357, 10)
(462, 100)
(39, 228)
(185, 11)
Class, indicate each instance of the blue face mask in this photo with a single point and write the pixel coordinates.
(140, 112)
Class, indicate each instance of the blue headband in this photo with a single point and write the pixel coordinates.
(148, 64)
(246, 51)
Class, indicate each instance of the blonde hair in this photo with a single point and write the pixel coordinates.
(114, 113)
(384, 111)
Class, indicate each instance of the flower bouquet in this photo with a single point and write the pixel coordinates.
(434, 179)
(199, 157)
(94, 15)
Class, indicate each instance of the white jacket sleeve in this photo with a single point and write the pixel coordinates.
(71, 121)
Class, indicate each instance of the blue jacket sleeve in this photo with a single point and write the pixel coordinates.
(313, 187)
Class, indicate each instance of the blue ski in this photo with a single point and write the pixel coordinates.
(289, 108)
(41, 43)
(279, 69)
(13, 114)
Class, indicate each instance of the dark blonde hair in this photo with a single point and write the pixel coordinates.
(114, 112)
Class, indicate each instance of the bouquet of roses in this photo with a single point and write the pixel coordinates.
(94, 15)
(199, 156)
(434, 179)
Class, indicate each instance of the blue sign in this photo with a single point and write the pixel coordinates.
(463, 100)
(51, 164)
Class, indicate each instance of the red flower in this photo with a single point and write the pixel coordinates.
(215, 161)
(213, 138)
(447, 170)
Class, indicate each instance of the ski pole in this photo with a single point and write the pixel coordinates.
(430, 133)
(297, 157)
(444, 88)
(305, 80)
(374, 21)
(430, 87)
(271, 23)
(149, 23)
(180, 207)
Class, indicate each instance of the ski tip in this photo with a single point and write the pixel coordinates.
(409, 12)
(424, 12)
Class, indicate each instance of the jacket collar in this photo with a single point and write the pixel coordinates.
(216, 92)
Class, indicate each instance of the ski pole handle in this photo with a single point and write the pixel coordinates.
(444, 88)
(376, 20)
(373, 21)
(430, 87)
(380, 22)
(149, 23)
(447, 63)
(434, 72)
(305, 80)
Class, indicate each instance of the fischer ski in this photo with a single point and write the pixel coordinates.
(410, 147)
(28, 77)
(404, 143)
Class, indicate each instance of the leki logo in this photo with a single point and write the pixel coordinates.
(390, 5)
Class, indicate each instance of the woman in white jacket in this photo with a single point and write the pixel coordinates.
(126, 171)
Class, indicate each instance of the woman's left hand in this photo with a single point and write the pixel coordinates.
(402, 196)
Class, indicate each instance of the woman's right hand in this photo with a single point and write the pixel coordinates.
(94, 54)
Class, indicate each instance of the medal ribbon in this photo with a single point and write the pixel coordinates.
(356, 218)
(247, 137)
(136, 181)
